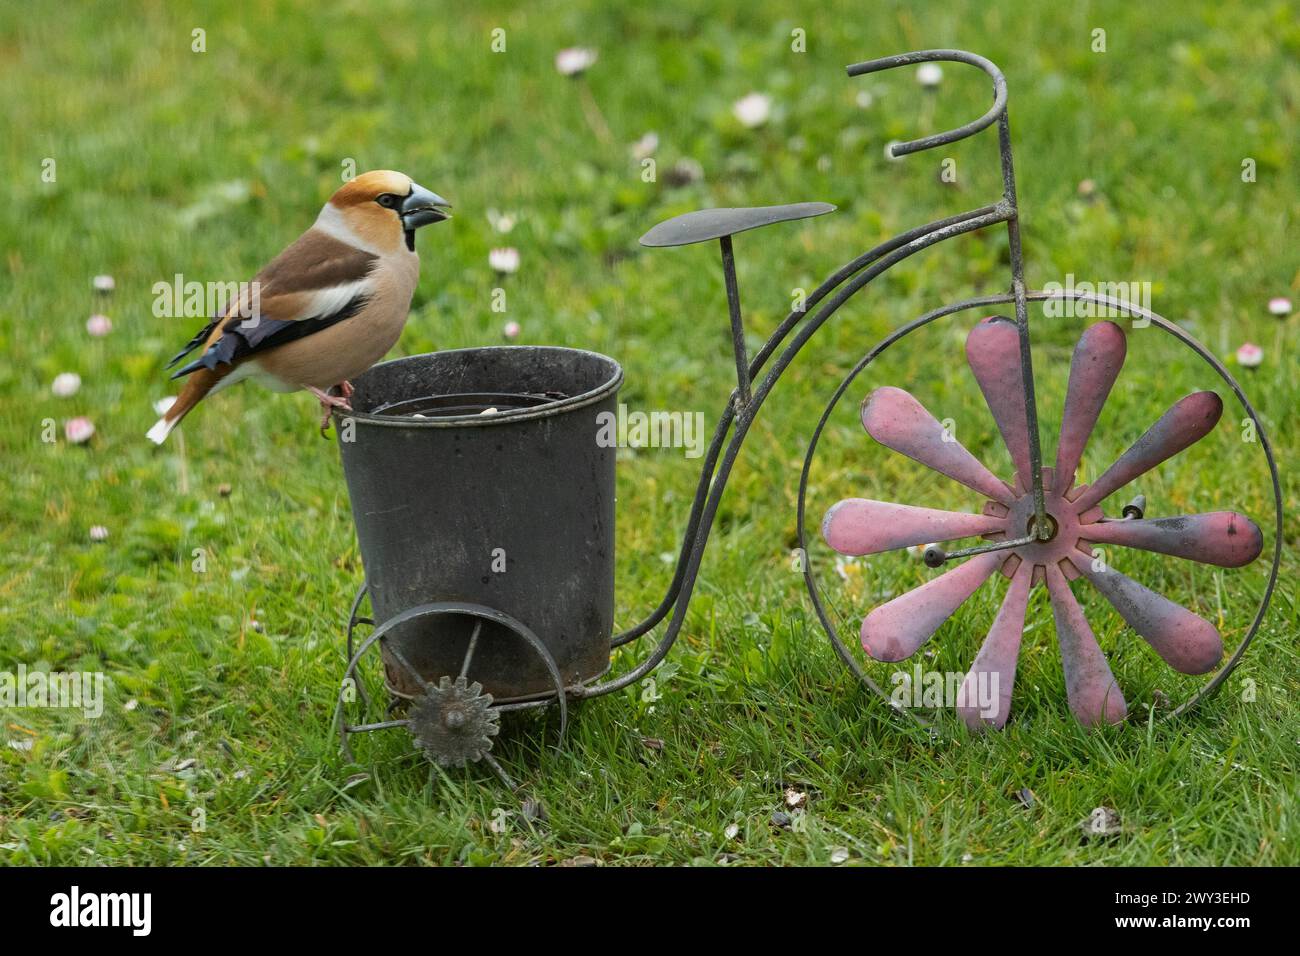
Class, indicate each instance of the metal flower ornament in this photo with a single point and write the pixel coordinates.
(1054, 554)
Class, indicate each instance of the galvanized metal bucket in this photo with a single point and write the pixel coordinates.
(477, 479)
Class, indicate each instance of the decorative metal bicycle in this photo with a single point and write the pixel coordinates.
(485, 510)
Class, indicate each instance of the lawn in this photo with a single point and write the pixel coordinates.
(213, 598)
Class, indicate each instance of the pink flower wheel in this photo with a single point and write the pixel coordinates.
(897, 629)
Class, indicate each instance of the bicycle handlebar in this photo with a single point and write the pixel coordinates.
(998, 108)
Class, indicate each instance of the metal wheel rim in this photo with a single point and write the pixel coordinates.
(1133, 311)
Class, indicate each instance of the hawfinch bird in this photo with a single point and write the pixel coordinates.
(326, 308)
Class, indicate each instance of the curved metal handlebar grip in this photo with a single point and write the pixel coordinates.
(956, 56)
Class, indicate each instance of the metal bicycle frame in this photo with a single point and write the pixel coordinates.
(752, 391)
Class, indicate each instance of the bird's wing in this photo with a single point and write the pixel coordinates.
(199, 338)
(315, 283)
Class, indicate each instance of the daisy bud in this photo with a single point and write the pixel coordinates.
(1250, 355)
(645, 146)
(501, 221)
(78, 430)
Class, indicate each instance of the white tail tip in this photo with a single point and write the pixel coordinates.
(161, 429)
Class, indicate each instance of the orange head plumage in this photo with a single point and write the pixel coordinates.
(383, 209)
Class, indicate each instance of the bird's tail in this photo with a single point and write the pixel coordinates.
(196, 386)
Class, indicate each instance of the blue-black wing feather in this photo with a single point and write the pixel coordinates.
(243, 337)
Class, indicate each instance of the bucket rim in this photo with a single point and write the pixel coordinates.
(546, 410)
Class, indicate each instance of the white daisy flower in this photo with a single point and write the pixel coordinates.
(929, 75)
(66, 384)
(504, 260)
(575, 60)
(752, 110)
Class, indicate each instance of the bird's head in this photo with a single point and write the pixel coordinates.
(384, 208)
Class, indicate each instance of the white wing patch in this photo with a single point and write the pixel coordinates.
(328, 301)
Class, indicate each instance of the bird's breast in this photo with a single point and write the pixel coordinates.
(394, 279)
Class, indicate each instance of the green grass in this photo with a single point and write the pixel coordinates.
(207, 164)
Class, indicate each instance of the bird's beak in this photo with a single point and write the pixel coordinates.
(423, 207)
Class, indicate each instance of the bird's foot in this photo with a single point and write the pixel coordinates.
(346, 388)
(328, 403)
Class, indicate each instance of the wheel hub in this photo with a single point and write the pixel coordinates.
(1065, 526)
(454, 722)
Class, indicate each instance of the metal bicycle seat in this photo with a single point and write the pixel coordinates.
(704, 224)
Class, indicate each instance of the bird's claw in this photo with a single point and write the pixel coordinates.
(329, 407)
(330, 402)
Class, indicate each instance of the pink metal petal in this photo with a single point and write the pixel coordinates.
(1098, 357)
(1094, 696)
(1188, 421)
(994, 669)
(862, 526)
(993, 353)
(1187, 642)
(897, 420)
(895, 630)
(1224, 538)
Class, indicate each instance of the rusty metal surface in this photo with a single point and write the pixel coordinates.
(993, 351)
(898, 421)
(859, 526)
(1223, 538)
(453, 722)
(895, 630)
(997, 657)
(1094, 696)
(1186, 641)
(1186, 422)
(1096, 363)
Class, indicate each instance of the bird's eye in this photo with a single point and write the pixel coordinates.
(387, 200)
